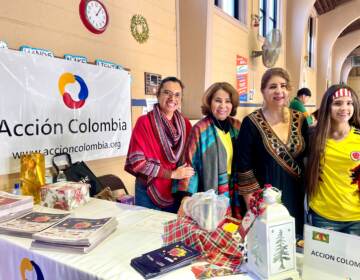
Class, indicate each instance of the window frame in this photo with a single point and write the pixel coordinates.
(310, 41)
(268, 22)
(239, 12)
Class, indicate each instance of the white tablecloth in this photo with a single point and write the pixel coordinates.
(139, 231)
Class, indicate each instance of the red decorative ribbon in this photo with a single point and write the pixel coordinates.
(256, 208)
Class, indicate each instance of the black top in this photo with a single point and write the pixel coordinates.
(264, 159)
(222, 125)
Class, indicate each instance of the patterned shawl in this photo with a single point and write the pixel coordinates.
(205, 152)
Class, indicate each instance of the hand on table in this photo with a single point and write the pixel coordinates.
(181, 211)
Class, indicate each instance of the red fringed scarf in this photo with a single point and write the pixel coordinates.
(171, 133)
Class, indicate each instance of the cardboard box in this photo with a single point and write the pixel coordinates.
(65, 195)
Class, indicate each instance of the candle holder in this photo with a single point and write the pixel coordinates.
(271, 241)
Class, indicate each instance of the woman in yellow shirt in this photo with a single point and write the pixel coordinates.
(211, 147)
(334, 153)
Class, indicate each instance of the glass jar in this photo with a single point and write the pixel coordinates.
(61, 177)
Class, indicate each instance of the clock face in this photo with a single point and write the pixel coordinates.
(94, 15)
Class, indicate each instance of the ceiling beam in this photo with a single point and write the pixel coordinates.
(319, 8)
(324, 6)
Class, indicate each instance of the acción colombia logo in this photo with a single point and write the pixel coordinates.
(69, 78)
(28, 265)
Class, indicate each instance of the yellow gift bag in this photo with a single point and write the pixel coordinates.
(32, 174)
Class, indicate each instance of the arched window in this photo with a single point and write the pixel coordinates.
(310, 42)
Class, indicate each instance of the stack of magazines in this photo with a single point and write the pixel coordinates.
(163, 260)
(75, 234)
(13, 206)
(31, 223)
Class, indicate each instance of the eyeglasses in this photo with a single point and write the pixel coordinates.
(169, 93)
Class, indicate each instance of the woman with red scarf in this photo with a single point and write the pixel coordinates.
(156, 145)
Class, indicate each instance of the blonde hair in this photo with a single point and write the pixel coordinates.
(279, 72)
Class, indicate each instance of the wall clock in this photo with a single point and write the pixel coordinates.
(94, 15)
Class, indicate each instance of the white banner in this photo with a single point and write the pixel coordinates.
(53, 105)
(330, 255)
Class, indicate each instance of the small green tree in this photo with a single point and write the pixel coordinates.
(281, 253)
(256, 252)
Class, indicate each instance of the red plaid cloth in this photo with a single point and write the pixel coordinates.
(217, 247)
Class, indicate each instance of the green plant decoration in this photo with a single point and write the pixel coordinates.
(139, 28)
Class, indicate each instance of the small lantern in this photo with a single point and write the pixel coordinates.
(271, 241)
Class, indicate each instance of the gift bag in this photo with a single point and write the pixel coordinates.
(78, 172)
(32, 174)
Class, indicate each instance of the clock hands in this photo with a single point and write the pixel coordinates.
(94, 15)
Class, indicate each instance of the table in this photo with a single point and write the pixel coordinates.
(139, 231)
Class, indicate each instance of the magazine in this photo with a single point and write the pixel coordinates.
(8, 200)
(20, 211)
(164, 259)
(12, 206)
(36, 244)
(78, 231)
(31, 223)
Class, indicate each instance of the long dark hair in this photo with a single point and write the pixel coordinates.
(320, 133)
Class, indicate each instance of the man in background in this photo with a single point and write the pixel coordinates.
(302, 97)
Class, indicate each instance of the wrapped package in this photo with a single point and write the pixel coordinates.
(207, 208)
(223, 246)
(65, 195)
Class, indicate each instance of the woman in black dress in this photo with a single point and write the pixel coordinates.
(271, 146)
